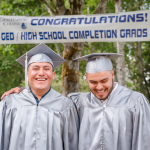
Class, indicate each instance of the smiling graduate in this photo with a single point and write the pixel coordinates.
(112, 117)
(38, 117)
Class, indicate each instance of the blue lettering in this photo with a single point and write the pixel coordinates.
(72, 20)
(33, 23)
(41, 35)
(41, 21)
(29, 36)
(101, 31)
(94, 22)
(114, 33)
(96, 34)
(63, 35)
(86, 33)
(80, 20)
(64, 20)
(103, 19)
(3, 37)
(70, 34)
(131, 18)
(89, 21)
(127, 32)
(7, 35)
(116, 19)
(49, 21)
(81, 34)
(22, 35)
(92, 37)
(55, 35)
(122, 34)
(139, 17)
(59, 35)
(11, 36)
(122, 18)
(144, 32)
(50, 35)
(139, 32)
(76, 34)
(133, 32)
(105, 33)
(108, 34)
(34, 35)
(45, 36)
(55, 22)
(111, 18)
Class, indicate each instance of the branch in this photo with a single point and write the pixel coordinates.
(147, 58)
(60, 7)
(58, 49)
(86, 45)
(49, 8)
(101, 7)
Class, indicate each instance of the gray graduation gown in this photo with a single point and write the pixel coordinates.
(52, 125)
(122, 124)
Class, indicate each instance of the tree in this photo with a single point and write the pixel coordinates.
(70, 70)
(120, 50)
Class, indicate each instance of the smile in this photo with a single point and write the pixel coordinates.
(40, 79)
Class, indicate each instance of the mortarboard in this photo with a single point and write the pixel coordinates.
(40, 53)
(98, 62)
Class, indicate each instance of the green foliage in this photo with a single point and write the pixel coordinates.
(67, 4)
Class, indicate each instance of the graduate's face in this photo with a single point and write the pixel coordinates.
(101, 83)
(40, 76)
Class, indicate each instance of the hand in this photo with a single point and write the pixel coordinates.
(14, 90)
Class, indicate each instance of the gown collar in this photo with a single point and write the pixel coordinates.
(41, 97)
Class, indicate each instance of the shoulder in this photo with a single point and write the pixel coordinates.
(120, 96)
(125, 97)
(18, 99)
(61, 102)
(8, 100)
(78, 95)
(78, 98)
(137, 98)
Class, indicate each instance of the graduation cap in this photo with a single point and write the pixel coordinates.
(40, 53)
(98, 62)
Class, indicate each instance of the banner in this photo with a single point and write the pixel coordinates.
(125, 26)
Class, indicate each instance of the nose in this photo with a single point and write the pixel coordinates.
(41, 72)
(99, 86)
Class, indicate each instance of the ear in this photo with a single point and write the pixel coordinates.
(85, 77)
(113, 75)
(53, 75)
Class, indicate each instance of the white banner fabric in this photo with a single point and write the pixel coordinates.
(125, 26)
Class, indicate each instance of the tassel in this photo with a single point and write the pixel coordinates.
(26, 73)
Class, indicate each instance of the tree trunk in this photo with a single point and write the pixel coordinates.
(139, 63)
(70, 71)
(120, 50)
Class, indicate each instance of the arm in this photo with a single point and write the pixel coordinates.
(14, 90)
(2, 112)
(70, 129)
(75, 99)
(141, 128)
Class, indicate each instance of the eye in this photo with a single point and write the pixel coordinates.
(47, 68)
(35, 68)
(104, 81)
(93, 82)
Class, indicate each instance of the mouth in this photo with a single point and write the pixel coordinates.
(41, 79)
(100, 92)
